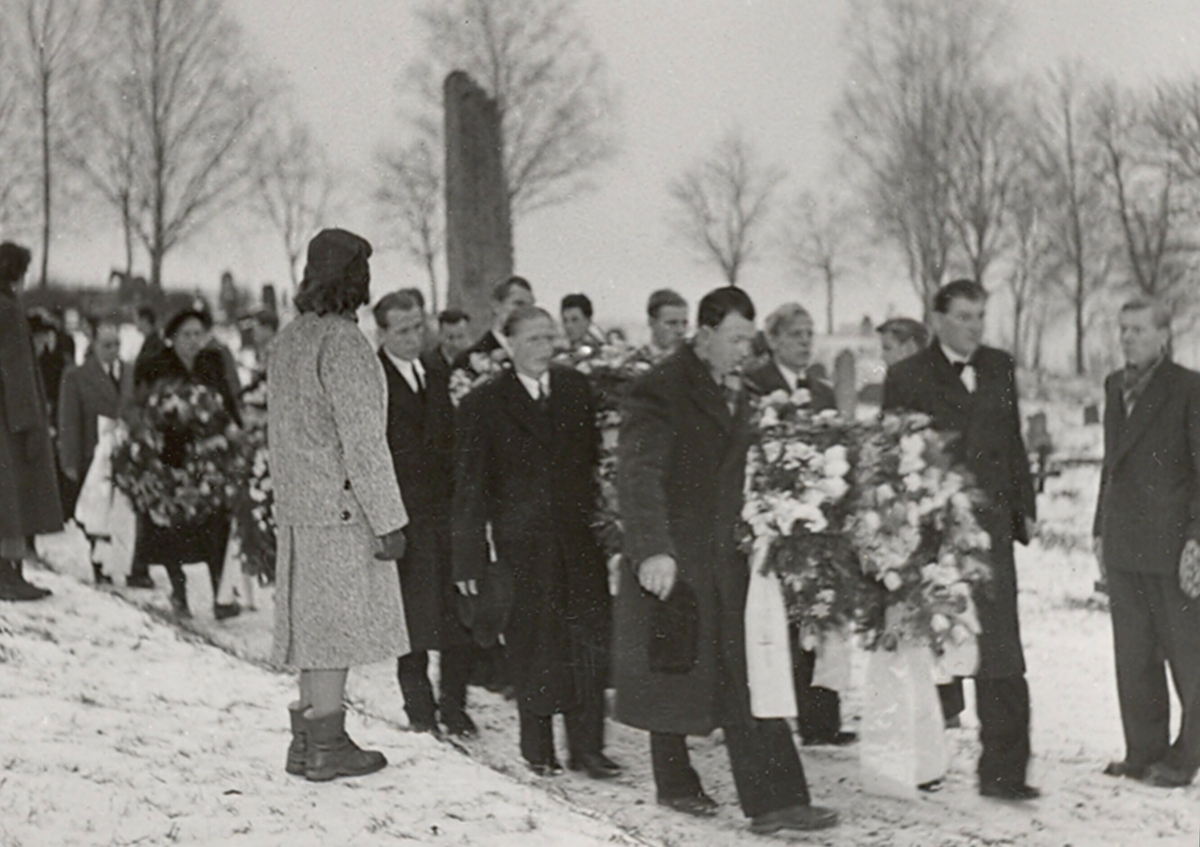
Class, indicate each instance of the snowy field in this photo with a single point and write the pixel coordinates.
(120, 728)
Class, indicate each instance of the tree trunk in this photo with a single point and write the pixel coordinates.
(1080, 364)
(1018, 351)
(829, 280)
(127, 227)
(45, 116)
(434, 307)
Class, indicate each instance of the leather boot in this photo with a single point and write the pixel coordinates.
(13, 585)
(331, 753)
(297, 754)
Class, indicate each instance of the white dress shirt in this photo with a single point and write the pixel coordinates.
(411, 369)
(537, 388)
(968, 372)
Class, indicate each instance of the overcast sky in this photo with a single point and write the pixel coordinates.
(685, 71)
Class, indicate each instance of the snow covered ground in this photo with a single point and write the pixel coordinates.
(116, 727)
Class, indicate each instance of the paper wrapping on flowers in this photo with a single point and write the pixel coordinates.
(902, 741)
(831, 668)
(768, 648)
(102, 510)
(960, 651)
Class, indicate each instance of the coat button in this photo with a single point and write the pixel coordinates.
(346, 485)
(345, 514)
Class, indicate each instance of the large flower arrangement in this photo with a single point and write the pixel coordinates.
(799, 477)
(481, 368)
(256, 510)
(916, 536)
(184, 458)
(611, 369)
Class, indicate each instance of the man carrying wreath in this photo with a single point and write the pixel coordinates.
(970, 389)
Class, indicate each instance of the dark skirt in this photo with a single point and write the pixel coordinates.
(200, 542)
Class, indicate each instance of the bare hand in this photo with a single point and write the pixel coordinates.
(657, 575)
(467, 588)
(392, 546)
(1189, 569)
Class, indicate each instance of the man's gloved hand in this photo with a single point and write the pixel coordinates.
(1189, 569)
(392, 546)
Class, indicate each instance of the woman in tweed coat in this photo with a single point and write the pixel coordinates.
(337, 506)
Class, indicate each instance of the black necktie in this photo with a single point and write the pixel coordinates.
(420, 382)
(959, 367)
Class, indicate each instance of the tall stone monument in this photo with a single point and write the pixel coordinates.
(479, 250)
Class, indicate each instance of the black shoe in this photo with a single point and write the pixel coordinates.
(698, 805)
(1004, 791)
(1125, 768)
(139, 580)
(1163, 775)
(838, 739)
(222, 611)
(179, 606)
(459, 724)
(802, 818)
(99, 576)
(933, 786)
(551, 768)
(426, 726)
(19, 592)
(595, 765)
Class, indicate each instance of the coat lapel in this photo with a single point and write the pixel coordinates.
(524, 411)
(1144, 411)
(949, 379)
(101, 382)
(705, 391)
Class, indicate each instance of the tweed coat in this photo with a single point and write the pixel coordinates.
(531, 475)
(88, 392)
(990, 446)
(681, 462)
(420, 434)
(335, 491)
(29, 497)
(1149, 502)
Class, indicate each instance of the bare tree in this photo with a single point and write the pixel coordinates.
(819, 239)
(195, 105)
(1154, 204)
(1069, 165)
(721, 204)
(47, 37)
(410, 196)
(291, 187)
(1033, 263)
(985, 156)
(900, 117)
(535, 58)
(15, 187)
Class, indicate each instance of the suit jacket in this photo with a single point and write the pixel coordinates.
(420, 435)
(327, 427)
(1149, 502)
(88, 392)
(29, 501)
(768, 378)
(988, 444)
(681, 463)
(530, 475)
(487, 343)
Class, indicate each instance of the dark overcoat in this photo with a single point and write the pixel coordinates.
(88, 392)
(29, 498)
(530, 474)
(420, 435)
(681, 461)
(1149, 502)
(767, 379)
(990, 446)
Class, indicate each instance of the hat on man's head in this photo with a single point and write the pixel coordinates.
(331, 252)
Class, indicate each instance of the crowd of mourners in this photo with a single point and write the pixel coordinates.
(436, 493)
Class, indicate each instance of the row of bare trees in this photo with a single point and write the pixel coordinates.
(152, 110)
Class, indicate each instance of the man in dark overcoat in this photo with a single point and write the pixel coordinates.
(420, 434)
(29, 497)
(526, 455)
(970, 390)
(680, 652)
(789, 335)
(1147, 539)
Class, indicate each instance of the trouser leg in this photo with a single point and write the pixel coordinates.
(413, 672)
(537, 737)
(455, 669)
(818, 710)
(1141, 676)
(1181, 637)
(1003, 707)
(766, 767)
(951, 696)
(585, 723)
(674, 776)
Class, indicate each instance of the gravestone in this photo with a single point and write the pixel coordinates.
(479, 250)
(844, 388)
(1091, 414)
